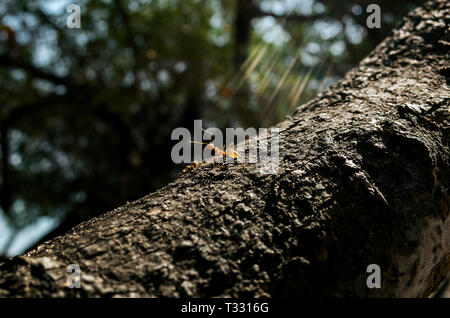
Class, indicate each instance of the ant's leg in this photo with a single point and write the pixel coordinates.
(237, 155)
(219, 164)
(213, 161)
(226, 153)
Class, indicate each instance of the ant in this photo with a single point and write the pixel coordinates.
(229, 151)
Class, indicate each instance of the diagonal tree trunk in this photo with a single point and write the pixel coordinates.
(364, 179)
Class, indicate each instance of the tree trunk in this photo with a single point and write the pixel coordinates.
(242, 30)
(363, 179)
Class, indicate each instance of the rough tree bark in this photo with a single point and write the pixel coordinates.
(364, 179)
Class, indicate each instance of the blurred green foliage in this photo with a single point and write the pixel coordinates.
(86, 114)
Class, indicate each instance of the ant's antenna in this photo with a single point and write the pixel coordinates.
(208, 132)
(211, 134)
(199, 142)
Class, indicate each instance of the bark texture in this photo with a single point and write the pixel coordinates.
(364, 179)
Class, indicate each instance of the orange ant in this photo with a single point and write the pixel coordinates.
(229, 151)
